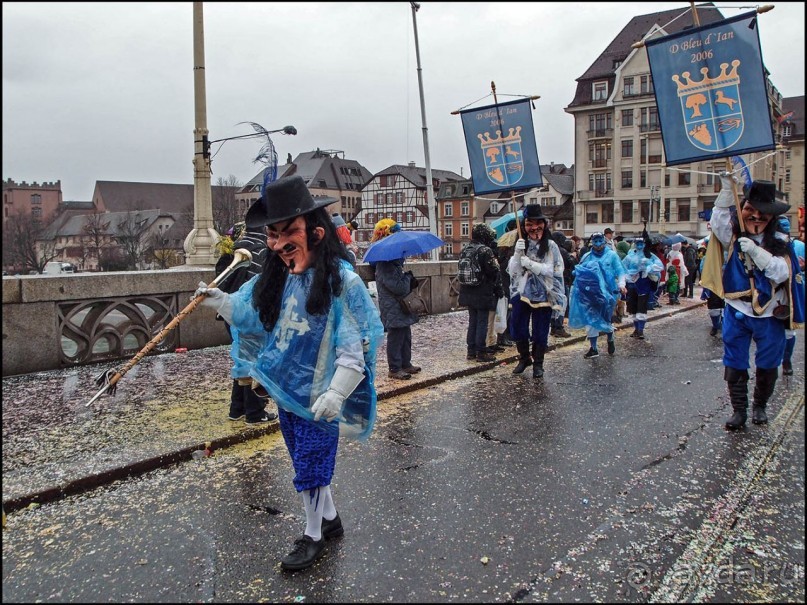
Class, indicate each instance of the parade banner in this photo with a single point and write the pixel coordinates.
(711, 91)
(501, 147)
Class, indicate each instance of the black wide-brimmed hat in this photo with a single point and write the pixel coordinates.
(256, 215)
(762, 195)
(534, 212)
(284, 199)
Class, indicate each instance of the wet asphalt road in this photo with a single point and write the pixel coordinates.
(614, 480)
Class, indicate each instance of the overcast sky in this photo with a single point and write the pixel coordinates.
(105, 91)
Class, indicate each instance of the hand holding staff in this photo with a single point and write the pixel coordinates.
(110, 378)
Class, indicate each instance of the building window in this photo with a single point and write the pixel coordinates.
(629, 87)
(388, 180)
(627, 179)
(399, 197)
(599, 123)
(448, 229)
(36, 212)
(600, 91)
(649, 119)
(683, 210)
(666, 179)
(787, 175)
(646, 85)
(627, 117)
(465, 229)
(448, 209)
(627, 212)
(378, 198)
(608, 213)
(627, 148)
(684, 178)
(36, 199)
(787, 130)
(388, 198)
(592, 218)
(465, 209)
(644, 210)
(410, 216)
(642, 178)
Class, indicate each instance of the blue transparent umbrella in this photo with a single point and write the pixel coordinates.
(402, 244)
(500, 224)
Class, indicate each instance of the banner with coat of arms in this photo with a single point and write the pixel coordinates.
(501, 147)
(711, 91)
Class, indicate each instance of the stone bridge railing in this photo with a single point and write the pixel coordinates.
(59, 321)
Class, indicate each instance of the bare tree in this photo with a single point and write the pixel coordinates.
(226, 210)
(95, 235)
(24, 248)
(161, 251)
(130, 233)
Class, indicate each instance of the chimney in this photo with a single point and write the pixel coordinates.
(411, 164)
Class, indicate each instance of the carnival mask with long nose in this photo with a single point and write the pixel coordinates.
(754, 221)
(289, 240)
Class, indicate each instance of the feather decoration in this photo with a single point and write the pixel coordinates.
(266, 156)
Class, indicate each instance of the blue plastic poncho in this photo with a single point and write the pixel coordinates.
(595, 290)
(642, 271)
(298, 358)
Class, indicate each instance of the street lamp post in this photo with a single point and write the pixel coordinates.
(200, 243)
(430, 202)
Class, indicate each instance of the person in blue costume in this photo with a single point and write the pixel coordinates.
(319, 331)
(643, 271)
(790, 334)
(599, 279)
(759, 281)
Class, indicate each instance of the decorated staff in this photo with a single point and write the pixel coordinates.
(110, 378)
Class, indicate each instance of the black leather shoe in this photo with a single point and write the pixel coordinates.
(332, 528)
(485, 357)
(758, 415)
(611, 347)
(305, 552)
(412, 369)
(787, 368)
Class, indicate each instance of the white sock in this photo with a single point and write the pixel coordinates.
(328, 508)
(313, 503)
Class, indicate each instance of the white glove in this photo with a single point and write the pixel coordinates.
(760, 256)
(329, 404)
(215, 299)
(536, 267)
(520, 247)
(725, 199)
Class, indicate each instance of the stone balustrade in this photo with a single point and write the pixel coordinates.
(59, 321)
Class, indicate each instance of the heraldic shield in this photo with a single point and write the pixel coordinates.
(713, 114)
(504, 162)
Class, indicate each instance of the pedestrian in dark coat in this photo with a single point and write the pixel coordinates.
(244, 401)
(481, 299)
(393, 284)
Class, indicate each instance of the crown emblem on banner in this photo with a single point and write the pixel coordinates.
(687, 86)
(513, 136)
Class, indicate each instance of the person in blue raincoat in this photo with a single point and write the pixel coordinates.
(643, 271)
(599, 279)
(760, 311)
(319, 332)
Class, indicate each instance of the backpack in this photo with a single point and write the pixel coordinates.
(469, 273)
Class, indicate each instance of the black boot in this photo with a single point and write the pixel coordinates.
(737, 381)
(763, 389)
(538, 360)
(524, 359)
